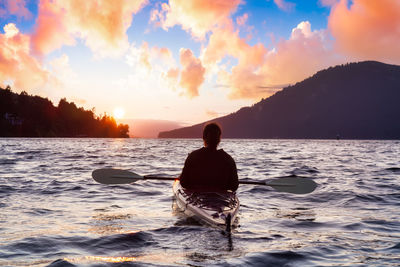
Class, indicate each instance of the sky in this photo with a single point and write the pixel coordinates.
(186, 61)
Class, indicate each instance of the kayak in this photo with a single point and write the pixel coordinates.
(213, 208)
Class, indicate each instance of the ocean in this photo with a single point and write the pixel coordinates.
(52, 213)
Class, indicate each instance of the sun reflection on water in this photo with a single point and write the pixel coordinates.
(108, 259)
(162, 257)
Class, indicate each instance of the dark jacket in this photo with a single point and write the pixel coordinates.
(209, 170)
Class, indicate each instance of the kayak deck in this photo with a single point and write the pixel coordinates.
(214, 208)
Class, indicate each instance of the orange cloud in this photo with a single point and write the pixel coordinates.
(172, 76)
(17, 66)
(196, 16)
(367, 30)
(225, 41)
(286, 6)
(102, 24)
(192, 74)
(243, 80)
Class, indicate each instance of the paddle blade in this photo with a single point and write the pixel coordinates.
(114, 176)
(295, 185)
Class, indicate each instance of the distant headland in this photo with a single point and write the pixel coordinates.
(352, 101)
(23, 115)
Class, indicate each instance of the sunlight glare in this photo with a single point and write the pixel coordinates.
(119, 113)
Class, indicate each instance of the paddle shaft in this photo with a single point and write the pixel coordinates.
(173, 179)
(147, 177)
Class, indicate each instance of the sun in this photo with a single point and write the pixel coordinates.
(119, 113)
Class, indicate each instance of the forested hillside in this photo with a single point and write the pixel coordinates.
(23, 115)
(352, 101)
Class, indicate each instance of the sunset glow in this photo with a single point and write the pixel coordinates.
(119, 113)
(184, 61)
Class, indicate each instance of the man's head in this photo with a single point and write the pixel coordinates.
(212, 135)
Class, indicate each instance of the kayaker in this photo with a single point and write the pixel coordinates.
(209, 169)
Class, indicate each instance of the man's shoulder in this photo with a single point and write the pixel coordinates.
(223, 152)
(226, 155)
(196, 153)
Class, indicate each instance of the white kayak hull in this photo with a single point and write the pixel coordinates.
(210, 207)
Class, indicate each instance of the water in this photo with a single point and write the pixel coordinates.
(53, 214)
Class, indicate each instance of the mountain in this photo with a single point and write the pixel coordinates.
(353, 101)
(145, 128)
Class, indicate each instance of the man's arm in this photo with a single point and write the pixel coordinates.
(234, 180)
(185, 175)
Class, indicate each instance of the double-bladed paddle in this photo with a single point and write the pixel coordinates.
(295, 185)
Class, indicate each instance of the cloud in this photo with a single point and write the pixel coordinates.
(243, 78)
(212, 113)
(153, 70)
(10, 30)
(261, 72)
(285, 6)
(15, 7)
(367, 30)
(196, 16)
(172, 77)
(61, 69)
(303, 54)
(225, 41)
(328, 2)
(150, 57)
(242, 19)
(16, 63)
(192, 74)
(102, 24)
(243, 82)
(51, 32)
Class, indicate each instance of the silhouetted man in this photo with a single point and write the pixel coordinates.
(209, 169)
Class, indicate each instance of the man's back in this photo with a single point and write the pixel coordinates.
(209, 170)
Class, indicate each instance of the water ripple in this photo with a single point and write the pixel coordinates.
(53, 214)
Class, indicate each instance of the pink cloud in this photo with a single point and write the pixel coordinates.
(286, 6)
(192, 74)
(16, 62)
(242, 19)
(196, 16)
(102, 24)
(367, 29)
(260, 72)
(328, 2)
(51, 32)
(15, 7)
(299, 57)
(18, 8)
